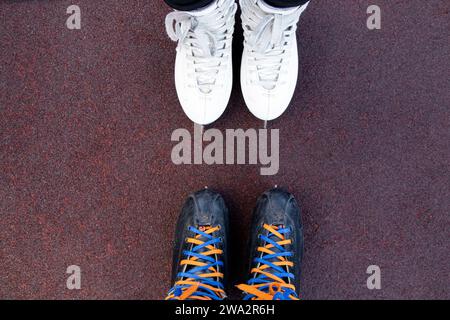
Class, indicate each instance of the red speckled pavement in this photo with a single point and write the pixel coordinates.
(86, 177)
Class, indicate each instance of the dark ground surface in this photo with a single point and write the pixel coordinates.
(86, 176)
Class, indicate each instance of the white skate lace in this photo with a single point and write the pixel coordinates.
(267, 36)
(207, 39)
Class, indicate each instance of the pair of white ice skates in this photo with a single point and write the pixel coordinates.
(203, 68)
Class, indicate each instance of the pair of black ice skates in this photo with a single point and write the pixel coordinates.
(200, 260)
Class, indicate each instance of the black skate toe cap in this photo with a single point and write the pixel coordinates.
(208, 208)
(278, 207)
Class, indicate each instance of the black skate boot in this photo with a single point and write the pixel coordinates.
(276, 248)
(200, 254)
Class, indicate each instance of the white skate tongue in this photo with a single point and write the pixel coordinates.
(269, 9)
(206, 65)
(205, 10)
